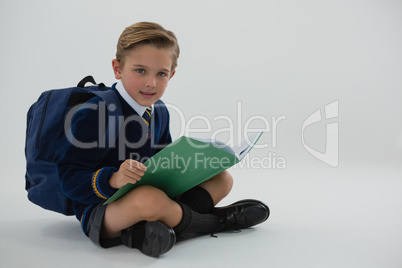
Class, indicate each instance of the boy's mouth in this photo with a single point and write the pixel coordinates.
(147, 95)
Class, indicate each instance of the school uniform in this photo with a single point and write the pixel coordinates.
(85, 177)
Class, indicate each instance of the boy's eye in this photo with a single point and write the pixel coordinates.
(141, 71)
(161, 74)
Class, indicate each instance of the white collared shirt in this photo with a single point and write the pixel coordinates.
(138, 108)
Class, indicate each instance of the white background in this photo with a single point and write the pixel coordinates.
(273, 58)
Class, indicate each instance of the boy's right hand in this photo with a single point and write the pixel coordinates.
(130, 171)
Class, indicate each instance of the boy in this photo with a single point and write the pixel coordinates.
(145, 218)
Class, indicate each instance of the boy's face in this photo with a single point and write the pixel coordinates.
(145, 73)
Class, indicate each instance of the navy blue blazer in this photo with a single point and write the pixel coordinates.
(84, 176)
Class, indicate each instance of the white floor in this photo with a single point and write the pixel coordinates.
(322, 217)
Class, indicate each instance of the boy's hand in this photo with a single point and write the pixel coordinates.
(130, 171)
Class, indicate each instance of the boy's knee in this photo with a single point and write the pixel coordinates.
(149, 202)
(226, 180)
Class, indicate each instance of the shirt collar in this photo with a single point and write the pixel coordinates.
(138, 108)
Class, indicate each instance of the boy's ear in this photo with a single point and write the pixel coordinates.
(116, 69)
(172, 74)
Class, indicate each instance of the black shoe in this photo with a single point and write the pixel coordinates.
(242, 214)
(151, 238)
(255, 201)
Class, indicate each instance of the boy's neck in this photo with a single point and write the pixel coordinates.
(133, 104)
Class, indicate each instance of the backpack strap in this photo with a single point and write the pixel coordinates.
(113, 107)
(114, 116)
(88, 79)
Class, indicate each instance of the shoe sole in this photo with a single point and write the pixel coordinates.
(157, 238)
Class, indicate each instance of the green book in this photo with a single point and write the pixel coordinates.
(186, 163)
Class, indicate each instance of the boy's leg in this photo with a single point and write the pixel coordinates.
(205, 196)
(144, 203)
(150, 204)
(147, 203)
(240, 215)
(144, 208)
(218, 186)
(141, 219)
(200, 215)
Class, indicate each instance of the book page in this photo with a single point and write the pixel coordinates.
(217, 144)
(246, 145)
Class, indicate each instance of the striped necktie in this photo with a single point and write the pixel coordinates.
(147, 116)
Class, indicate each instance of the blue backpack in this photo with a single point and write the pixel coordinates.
(46, 140)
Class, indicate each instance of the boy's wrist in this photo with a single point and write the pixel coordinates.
(100, 182)
(112, 181)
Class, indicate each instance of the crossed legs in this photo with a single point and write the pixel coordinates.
(147, 203)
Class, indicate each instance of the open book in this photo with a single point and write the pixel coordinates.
(186, 163)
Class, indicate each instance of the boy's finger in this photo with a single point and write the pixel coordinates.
(137, 165)
(134, 170)
(132, 176)
(137, 172)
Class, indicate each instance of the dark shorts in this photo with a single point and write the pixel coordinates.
(95, 225)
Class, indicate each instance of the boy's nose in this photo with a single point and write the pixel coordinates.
(151, 82)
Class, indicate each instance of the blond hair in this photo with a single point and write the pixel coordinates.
(147, 33)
